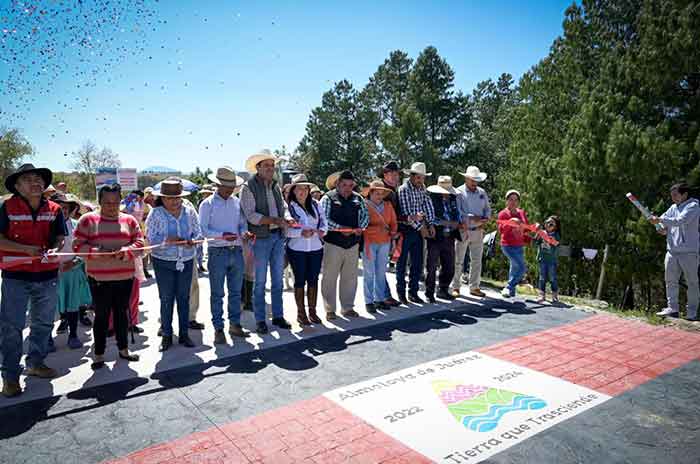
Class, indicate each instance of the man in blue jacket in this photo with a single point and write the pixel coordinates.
(682, 247)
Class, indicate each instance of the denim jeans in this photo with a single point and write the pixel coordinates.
(173, 285)
(225, 267)
(306, 266)
(413, 246)
(374, 272)
(548, 272)
(268, 251)
(16, 295)
(516, 257)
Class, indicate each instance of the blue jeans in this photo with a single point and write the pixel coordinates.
(516, 257)
(225, 266)
(16, 295)
(413, 246)
(270, 251)
(374, 272)
(548, 272)
(173, 285)
(306, 266)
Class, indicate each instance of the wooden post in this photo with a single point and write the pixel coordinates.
(601, 279)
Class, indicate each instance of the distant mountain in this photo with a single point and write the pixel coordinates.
(159, 170)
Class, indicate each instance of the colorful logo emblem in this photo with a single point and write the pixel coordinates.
(480, 408)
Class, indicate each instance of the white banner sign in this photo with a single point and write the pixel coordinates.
(128, 179)
(465, 408)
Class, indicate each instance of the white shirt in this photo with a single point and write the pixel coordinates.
(296, 241)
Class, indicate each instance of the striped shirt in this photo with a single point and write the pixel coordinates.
(94, 231)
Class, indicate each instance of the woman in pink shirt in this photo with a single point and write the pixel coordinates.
(513, 240)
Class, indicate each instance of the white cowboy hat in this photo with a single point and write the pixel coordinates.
(251, 164)
(301, 179)
(512, 191)
(474, 173)
(226, 177)
(443, 186)
(418, 168)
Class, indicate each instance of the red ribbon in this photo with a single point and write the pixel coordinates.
(532, 228)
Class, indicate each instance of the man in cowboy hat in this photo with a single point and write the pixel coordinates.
(416, 223)
(391, 178)
(29, 225)
(220, 215)
(344, 209)
(264, 208)
(475, 210)
(441, 247)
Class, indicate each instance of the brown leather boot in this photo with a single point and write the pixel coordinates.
(311, 295)
(301, 312)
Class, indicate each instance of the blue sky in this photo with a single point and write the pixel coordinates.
(226, 78)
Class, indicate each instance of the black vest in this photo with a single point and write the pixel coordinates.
(345, 212)
(439, 208)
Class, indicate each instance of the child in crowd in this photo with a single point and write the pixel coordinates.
(547, 257)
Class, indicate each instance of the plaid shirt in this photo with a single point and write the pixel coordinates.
(363, 214)
(414, 200)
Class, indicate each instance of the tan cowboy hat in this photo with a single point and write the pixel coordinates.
(443, 186)
(418, 168)
(474, 173)
(226, 177)
(50, 189)
(375, 185)
(251, 164)
(314, 189)
(301, 179)
(147, 191)
(332, 180)
(206, 192)
(171, 188)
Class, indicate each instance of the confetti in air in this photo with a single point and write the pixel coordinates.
(46, 41)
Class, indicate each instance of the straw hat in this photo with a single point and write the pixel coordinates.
(474, 173)
(332, 180)
(314, 189)
(251, 164)
(418, 168)
(226, 177)
(443, 186)
(375, 185)
(171, 188)
(301, 179)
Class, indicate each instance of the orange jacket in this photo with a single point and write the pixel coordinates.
(376, 231)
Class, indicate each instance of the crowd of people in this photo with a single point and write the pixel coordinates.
(59, 259)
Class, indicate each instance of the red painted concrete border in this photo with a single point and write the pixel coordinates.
(604, 353)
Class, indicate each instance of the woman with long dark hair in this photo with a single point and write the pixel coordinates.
(305, 248)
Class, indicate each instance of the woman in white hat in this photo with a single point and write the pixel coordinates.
(305, 247)
(441, 247)
(382, 227)
(513, 240)
(170, 222)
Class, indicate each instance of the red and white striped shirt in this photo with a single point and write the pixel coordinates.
(95, 231)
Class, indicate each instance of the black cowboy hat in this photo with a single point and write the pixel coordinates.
(11, 180)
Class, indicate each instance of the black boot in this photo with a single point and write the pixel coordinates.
(165, 343)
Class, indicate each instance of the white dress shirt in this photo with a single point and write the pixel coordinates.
(306, 221)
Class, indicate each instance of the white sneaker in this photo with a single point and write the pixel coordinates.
(667, 312)
(505, 293)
